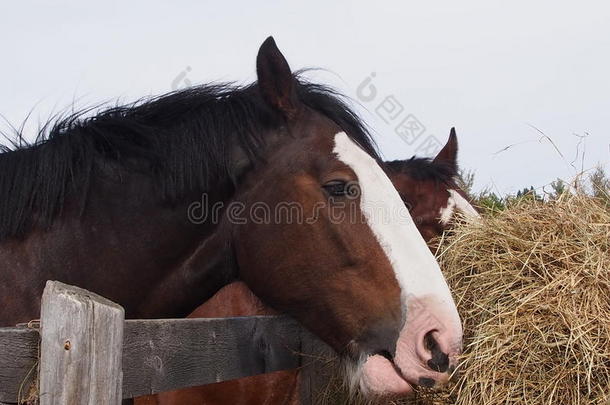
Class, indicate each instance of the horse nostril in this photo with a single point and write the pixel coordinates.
(439, 361)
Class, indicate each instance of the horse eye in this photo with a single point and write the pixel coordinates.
(339, 188)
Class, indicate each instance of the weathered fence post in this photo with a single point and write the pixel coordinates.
(81, 347)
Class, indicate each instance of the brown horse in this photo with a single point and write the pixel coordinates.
(430, 189)
(107, 204)
(426, 186)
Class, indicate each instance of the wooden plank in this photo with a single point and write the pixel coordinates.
(18, 361)
(81, 347)
(161, 355)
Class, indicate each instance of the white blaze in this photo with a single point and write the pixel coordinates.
(463, 205)
(447, 212)
(459, 203)
(416, 269)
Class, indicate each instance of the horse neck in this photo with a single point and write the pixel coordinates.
(206, 270)
(189, 259)
(126, 245)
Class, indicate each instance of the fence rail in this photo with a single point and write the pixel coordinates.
(85, 352)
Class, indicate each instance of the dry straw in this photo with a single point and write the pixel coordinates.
(532, 284)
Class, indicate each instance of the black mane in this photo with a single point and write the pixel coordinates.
(424, 169)
(181, 139)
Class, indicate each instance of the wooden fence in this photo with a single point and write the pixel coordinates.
(85, 352)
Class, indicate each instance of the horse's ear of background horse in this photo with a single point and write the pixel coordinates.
(448, 155)
(275, 79)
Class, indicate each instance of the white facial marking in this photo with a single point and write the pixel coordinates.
(416, 269)
(447, 212)
(462, 205)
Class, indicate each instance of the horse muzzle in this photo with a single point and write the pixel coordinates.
(425, 353)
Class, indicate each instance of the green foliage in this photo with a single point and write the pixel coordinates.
(490, 201)
(596, 185)
(559, 188)
(600, 184)
(465, 180)
(527, 194)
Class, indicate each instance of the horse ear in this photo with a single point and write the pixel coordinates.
(448, 155)
(275, 79)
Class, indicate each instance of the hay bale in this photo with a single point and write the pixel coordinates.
(532, 285)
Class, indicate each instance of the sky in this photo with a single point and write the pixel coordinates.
(503, 73)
